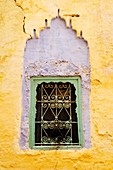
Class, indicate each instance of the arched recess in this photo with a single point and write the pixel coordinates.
(57, 52)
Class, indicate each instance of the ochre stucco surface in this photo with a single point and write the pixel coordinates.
(17, 20)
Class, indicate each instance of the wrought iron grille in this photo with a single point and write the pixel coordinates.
(56, 118)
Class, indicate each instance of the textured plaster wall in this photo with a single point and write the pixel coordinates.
(17, 20)
(57, 52)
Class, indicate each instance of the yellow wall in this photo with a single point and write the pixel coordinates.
(96, 22)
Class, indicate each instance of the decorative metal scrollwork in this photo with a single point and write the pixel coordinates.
(55, 116)
(56, 125)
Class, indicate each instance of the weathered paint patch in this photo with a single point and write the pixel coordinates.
(96, 22)
(57, 52)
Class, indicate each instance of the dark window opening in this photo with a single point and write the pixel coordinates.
(56, 118)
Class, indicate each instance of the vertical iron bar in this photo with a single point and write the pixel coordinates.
(56, 101)
(70, 112)
(41, 110)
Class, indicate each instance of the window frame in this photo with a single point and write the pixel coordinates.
(34, 81)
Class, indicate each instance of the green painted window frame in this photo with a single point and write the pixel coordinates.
(34, 81)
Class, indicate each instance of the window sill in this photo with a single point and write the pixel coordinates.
(56, 147)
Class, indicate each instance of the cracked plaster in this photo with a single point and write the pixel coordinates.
(57, 52)
(96, 22)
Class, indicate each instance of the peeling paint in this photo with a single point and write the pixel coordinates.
(96, 23)
(57, 52)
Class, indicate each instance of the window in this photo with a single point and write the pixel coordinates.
(55, 113)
